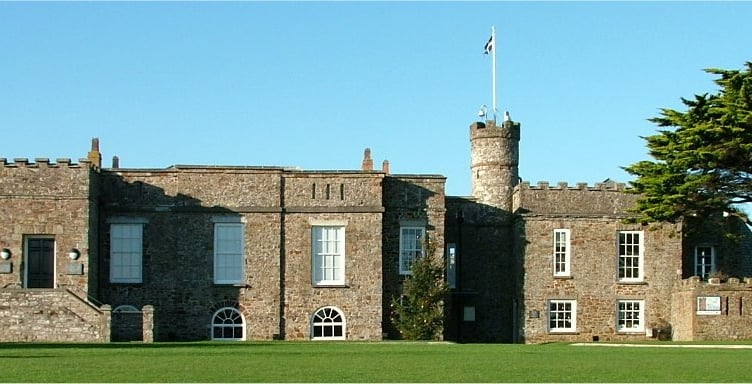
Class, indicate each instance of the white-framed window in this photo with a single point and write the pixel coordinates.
(228, 324)
(630, 249)
(630, 316)
(562, 315)
(328, 323)
(229, 255)
(451, 268)
(328, 254)
(411, 247)
(562, 252)
(126, 251)
(704, 261)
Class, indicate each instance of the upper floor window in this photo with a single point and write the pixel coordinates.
(630, 316)
(562, 315)
(561, 252)
(630, 250)
(704, 261)
(126, 250)
(328, 255)
(411, 247)
(229, 266)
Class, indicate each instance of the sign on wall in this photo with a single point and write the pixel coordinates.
(708, 305)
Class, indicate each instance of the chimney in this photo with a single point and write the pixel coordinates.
(385, 166)
(367, 162)
(115, 162)
(94, 156)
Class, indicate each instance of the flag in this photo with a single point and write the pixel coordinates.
(489, 46)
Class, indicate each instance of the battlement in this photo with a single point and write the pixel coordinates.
(730, 284)
(508, 129)
(563, 185)
(42, 162)
(606, 199)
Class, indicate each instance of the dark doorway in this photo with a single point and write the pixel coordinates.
(40, 263)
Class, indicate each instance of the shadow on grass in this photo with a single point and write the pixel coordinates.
(137, 345)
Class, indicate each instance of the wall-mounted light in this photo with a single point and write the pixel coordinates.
(5, 253)
(74, 254)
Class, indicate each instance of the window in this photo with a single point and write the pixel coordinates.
(228, 253)
(451, 269)
(562, 315)
(411, 248)
(228, 324)
(561, 252)
(704, 261)
(126, 252)
(328, 323)
(630, 256)
(631, 315)
(328, 255)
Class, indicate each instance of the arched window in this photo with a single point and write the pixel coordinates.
(228, 324)
(328, 323)
(126, 309)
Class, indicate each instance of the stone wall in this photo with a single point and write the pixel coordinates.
(46, 200)
(485, 270)
(593, 216)
(408, 200)
(731, 321)
(277, 207)
(50, 315)
(608, 198)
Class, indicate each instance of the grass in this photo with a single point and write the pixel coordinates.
(366, 362)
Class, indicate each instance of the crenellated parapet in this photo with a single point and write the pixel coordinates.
(43, 162)
(563, 185)
(44, 178)
(715, 284)
(608, 199)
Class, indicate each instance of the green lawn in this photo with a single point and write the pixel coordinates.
(367, 362)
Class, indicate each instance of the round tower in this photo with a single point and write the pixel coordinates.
(495, 158)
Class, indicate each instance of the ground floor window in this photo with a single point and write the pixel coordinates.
(228, 324)
(630, 316)
(328, 323)
(562, 315)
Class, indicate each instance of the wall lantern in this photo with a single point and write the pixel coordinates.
(5, 253)
(74, 254)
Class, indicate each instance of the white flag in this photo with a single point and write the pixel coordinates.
(489, 46)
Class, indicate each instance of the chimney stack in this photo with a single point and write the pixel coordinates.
(115, 162)
(367, 162)
(94, 156)
(385, 166)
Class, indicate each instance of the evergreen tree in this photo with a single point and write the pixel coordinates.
(419, 313)
(703, 156)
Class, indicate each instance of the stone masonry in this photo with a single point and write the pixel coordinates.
(497, 244)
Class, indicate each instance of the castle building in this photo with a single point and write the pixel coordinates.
(258, 253)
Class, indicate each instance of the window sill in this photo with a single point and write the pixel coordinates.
(631, 282)
(331, 286)
(563, 333)
(236, 285)
(563, 277)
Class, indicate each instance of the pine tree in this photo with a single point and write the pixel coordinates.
(703, 162)
(418, 313)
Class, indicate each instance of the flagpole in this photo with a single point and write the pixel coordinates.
(493, 71)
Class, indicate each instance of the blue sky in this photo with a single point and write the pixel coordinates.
(311, 84)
